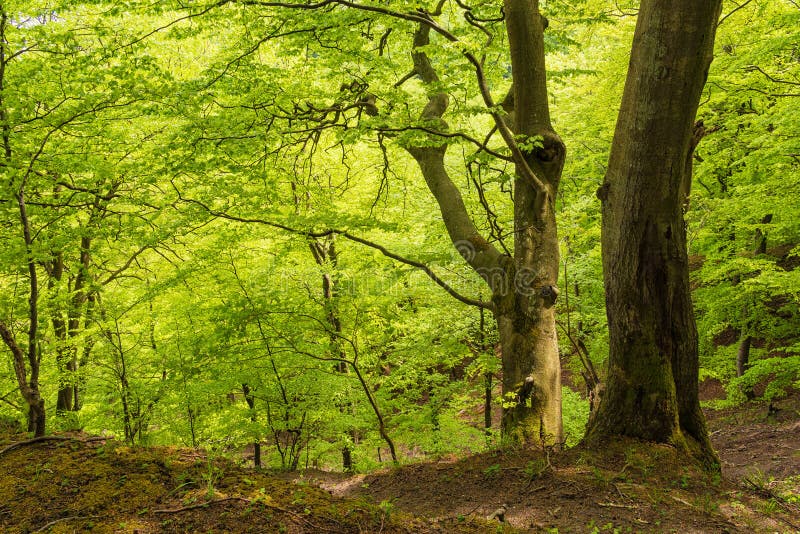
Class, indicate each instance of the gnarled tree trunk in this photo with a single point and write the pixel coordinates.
(523, 287)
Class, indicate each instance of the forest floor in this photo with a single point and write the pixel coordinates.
(78, 483)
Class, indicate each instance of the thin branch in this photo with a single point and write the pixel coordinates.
(257, 45)
(476, 21)
(172, 23)
(427, 270)
(737, 8)
(580, 348)
(405, 78)
(347, 235)
(454, 135)
(4, 398)
(425, 19)
(60, 519)
(751, 68)
(505, 130)
(419, 16)
(115, 274)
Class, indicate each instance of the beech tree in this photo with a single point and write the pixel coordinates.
(652, 384)
(523, 285)
(522, 278)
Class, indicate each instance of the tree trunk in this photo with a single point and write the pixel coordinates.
(523, 287)
(326, 256)
(652, 386)
(28, 388)
(743, 354)
(27, 374)
(760, 239)
(250, 399)
(527, 328)
(526, 316)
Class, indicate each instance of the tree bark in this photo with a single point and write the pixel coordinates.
(27, 375)
(250, 399)
(652, 386)
(28, 389)
(523, 287)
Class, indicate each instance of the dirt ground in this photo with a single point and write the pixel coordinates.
(627, 488)
(80, 483)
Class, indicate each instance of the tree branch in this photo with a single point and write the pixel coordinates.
(482, 145)
(737, 8)
(751, 68)
(426, 21)
(347, 235)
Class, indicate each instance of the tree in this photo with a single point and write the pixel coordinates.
(652, 384)
(73, 118)
(523, 281)
(744, 216)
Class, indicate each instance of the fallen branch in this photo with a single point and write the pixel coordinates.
(615, 505)
(768, 493)
(70, 518)
(245, 500)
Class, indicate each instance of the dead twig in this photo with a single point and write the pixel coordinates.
(297, 516)
(768, 493)
(60, 519)
(615, 505)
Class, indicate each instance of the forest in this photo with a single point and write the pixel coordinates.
(346, 235)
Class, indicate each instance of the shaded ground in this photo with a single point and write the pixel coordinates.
(83, 484)
(760, 444)
(93, 485)
(629, 487)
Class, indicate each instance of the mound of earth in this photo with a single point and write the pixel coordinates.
(78, 483)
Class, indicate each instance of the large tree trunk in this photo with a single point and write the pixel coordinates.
(523, 287)
(652, 385)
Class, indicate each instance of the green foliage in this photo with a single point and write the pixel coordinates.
(743, 219)
(174, 162)
(492, 471)
(575, 411)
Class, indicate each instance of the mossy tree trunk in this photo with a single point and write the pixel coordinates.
(523, 286)
(652, 384)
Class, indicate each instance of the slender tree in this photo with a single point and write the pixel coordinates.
(26, 361)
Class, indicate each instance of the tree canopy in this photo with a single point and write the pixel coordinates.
(352, 232)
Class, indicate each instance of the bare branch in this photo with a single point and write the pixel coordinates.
(116, 273)
(751, 68)
(174, 22)
(453, 135)
(737, 8)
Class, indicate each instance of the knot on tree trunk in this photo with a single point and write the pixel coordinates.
(525, 390)
(551, 149)
(549, 295)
